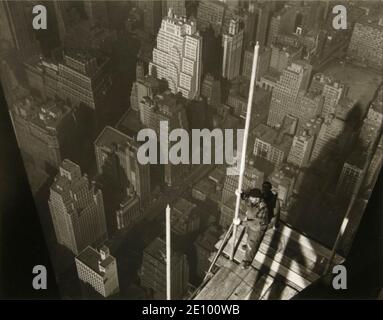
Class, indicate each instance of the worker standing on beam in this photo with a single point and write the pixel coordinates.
(256, 223)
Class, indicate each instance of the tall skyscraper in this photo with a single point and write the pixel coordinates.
(177, 56)
(232, 42)
(375, 111)
(369, 132)
(210, 13)
(44, 131)
(283, 56)
(178, 7)
(256, 24)
(271, 144)
(153, 271)
(283, 180)
(169, 108)
(143, 87)
(303, 142)
(351, 174)
(99, 270)
(184, 219)
(366, 42)
(330, 139)
(129, 212)
(230, 3)
(308, 105)
(274, 29)
(333, 91)
(126, 170)
(294, 78)
(152, 11)
(77, 209)
(83, 78)
(263, 62)
(42, 76)
(211, 90)
(301, 148)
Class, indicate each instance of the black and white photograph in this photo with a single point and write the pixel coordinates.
(191, 150)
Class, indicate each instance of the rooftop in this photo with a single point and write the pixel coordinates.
(273, 136)
(372, 21)
(325, 79)
(217, 175)
(130, 123)
(157, 249)
(206, 187)
(262, 165)
(70, 166)
(92, 259)
(313, 126)
(272, 75)
(69, 180)
(149, 81)
(284, 172)
(47, 115)
(168, 102)
(183, 206)
(112, 138)
(40, 62)
(288, 49)
(73, 57)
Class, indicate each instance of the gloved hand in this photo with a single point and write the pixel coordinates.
(244, 221)
(244, 195)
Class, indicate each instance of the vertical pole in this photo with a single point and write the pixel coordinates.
(168, 254)
(236, 220)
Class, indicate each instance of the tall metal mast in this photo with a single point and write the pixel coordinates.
(236, 220)
(168, 254)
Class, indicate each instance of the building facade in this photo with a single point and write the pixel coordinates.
(177, 57)
(83, 78)
(153, 271)
(184, 219)
(98, 269)
(44, 131)
(77, 209)
(294, 79)
(366, 44)
(232, 42)
(128, 171)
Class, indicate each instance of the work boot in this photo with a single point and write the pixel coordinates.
(245, 264)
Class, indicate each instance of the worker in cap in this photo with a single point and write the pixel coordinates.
(256, 223)
(272, 202)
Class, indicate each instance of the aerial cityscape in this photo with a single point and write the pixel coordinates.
(83, 91)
